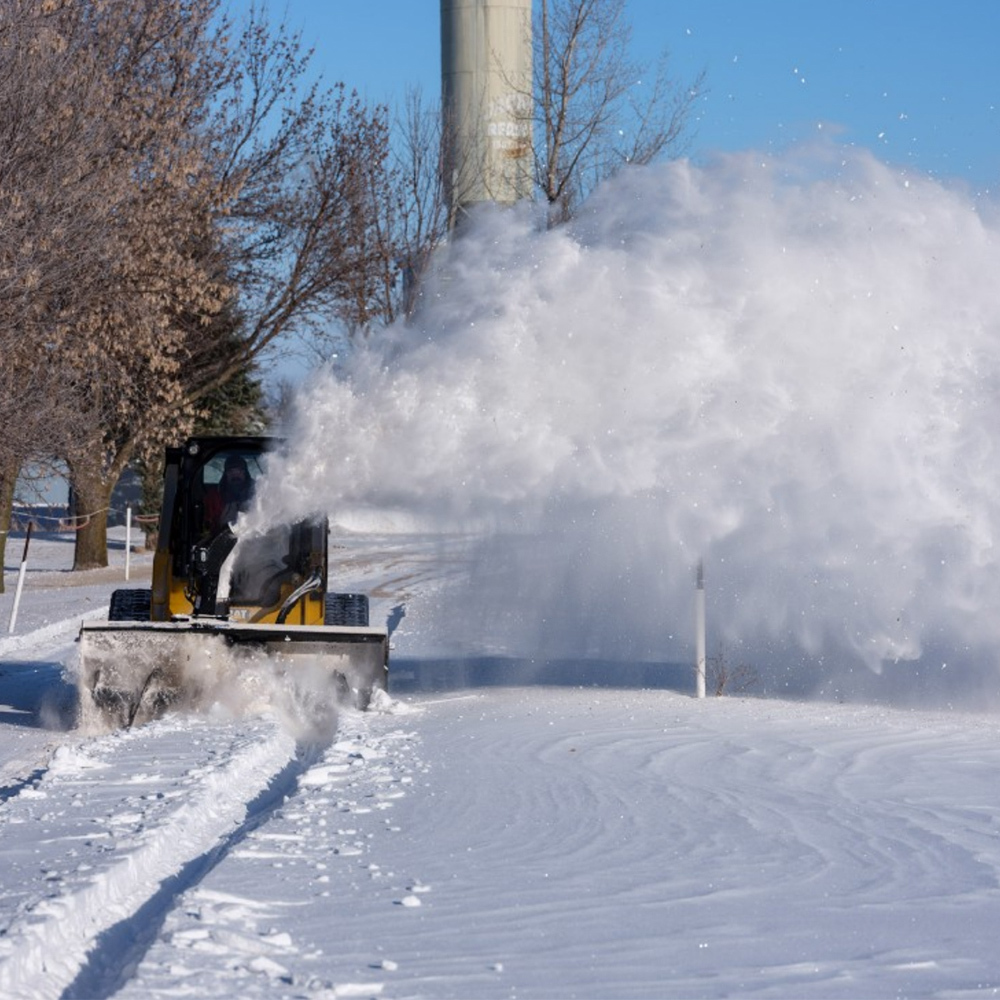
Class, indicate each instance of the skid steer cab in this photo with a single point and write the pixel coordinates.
(219, 602)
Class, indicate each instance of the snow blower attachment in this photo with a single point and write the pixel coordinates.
(221, 613)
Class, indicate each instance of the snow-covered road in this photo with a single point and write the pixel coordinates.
(489, 842)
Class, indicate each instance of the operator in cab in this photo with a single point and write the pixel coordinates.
(224, 502)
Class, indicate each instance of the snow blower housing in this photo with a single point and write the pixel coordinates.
(213, 600)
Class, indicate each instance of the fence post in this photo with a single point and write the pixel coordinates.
(20, 581)
(700, 660)
(128, 538)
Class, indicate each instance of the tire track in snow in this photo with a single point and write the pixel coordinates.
(74, 944)
(264, 922)
(119, 949)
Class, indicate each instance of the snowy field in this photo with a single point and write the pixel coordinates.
(484, 841)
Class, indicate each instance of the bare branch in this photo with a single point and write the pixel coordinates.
(593, 113)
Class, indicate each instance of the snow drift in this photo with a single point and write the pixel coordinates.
(786, 366)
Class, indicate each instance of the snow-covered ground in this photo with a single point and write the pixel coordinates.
(483, 840)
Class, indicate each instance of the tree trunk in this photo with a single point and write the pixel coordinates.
(8, 478)
(93, 497)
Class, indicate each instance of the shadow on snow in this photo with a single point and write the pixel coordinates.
(451, 674)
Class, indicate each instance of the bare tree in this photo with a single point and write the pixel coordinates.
(188, 178)
(34, 414)
(404, 221)
(140, 79)
(725, 677)
(298, 230)
(596, 109)
(52, 243)
(418, 192)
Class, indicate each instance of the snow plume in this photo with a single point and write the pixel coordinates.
(787, 367)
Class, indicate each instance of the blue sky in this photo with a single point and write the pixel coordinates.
(916, 80)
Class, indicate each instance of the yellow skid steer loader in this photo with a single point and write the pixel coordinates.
(219, 605)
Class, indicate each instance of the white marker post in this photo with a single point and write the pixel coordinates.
(20, 582)
(128, 538)
(699, 615)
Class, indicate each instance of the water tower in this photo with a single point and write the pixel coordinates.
(486, 102)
